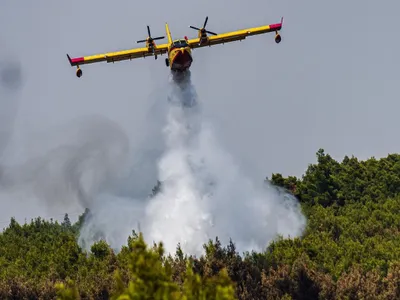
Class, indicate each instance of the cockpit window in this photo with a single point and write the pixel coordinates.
(180, 43)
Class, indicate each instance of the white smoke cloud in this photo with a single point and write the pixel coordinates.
(88, 156)
(11, 81)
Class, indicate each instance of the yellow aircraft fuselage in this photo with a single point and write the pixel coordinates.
(179, 53)
(179, 56)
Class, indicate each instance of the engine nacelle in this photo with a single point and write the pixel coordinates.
(278, 38)
(78, 72)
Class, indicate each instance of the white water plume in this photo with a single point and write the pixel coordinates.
(205, 194)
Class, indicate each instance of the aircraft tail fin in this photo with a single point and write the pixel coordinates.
(168, 33)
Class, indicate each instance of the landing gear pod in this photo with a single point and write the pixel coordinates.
(78, 72)
(278, 38)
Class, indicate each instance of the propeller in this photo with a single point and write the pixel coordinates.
(150, 39)
(203, 29)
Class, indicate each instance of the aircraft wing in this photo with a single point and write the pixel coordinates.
(118, 56)
(235, 35)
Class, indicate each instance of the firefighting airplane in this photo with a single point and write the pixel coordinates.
(179, 51)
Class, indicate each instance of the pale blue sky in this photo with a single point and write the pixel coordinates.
(332, 83)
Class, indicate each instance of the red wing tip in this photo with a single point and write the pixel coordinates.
(277, 26)
(75, 61)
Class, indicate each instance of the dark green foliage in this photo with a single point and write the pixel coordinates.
(329, 182)
(350, 249)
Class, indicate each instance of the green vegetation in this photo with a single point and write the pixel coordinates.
(350, 250)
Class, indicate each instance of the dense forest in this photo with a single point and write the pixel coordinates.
(349, 250)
